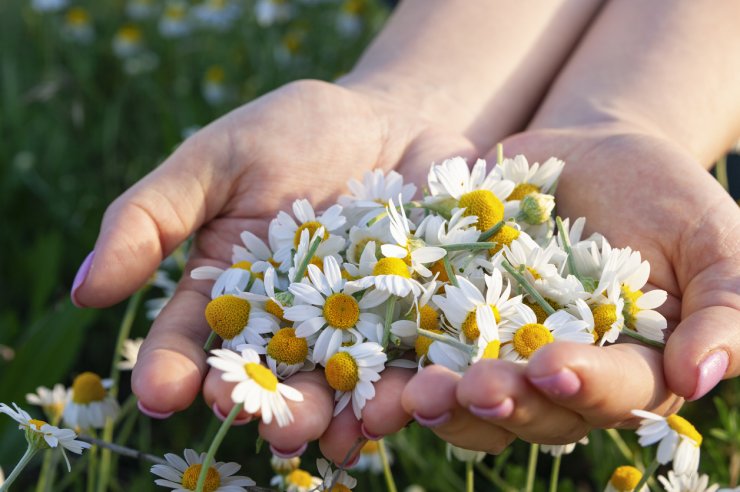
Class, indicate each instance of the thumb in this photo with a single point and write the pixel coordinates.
(147, 222)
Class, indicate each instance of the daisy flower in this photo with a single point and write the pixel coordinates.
(297, 480)
(240, 318)
(286, 353)
(182, 474)
(523, 335)
(174, 22)
(561, 449)
(324, 250)
(625, 479)
(77, 26)
(140, 9)
(687, 483)
(283, 466)
(378, 232)
(389, 276)
(216, 14)
(351, 372)
(127, 41)
(370, 459)
(42, 435)
(677, 439)
(603, 317)
(51, 401)
(334, 480)
(639, 306)
(275, 303)
(88, 404)
(130, 353)
(489, 342)
(47, 6)
(256, 386)
(269, 12)
(462, 454)
(530, 179)
(349, 20)
(369, 197)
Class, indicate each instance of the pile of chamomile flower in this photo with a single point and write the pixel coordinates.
(475, 268)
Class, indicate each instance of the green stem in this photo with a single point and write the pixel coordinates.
(389, 482)
(209, 341)
(648, 473)
(469, 476)
(468, 246)
(25, 459)
(389, 308)
(528, 287)
(215, 444)
(499, 153)
(92, 466)
(471, 350)
(488, 234)
(122, 450)
(633, 334)
(554, 473)
(46, 478)
(720, 171)
(450, 272)
(532, 466)
(565, 238)
(301, 271)
(495, 478)
(621, 445)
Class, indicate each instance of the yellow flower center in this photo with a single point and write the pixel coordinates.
(485, 205)
(428, 318)
(534, 273)
(504, 237)
(538, 311)
(684, 427)
(342, 372)
(438, 268)
(299, 478)
(130, 34)
(625, 478)
(492, 350)
(292, 42)
(531, 337)
(391, 266)
(522, 190)
(341, 311)
(37, 423)
(370, 447)
(87, 388)
(77, 17)
(311, 227)
(174, 12)
(191, 474)
(605, 315)
(630, 305)
(338, 487)
(261, 375)
(215, 75)
(275, 309)
(244, 265)
(228, 315)
(422, 343)
(353, 7)
(470, 325)
(286, 347)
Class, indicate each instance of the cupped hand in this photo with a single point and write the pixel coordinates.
(304, 140)
(639, 191)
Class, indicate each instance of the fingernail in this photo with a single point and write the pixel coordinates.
(152, 413)
(80, 278)
(288, 454)
(432, 421)
(354, 461)
(369, 435)
(500, 411)
(221, 416)
(561, 384)
(711, 371)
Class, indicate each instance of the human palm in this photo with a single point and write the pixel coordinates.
(304, 140)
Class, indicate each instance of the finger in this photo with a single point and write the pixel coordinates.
(430, 398)
(498, 392)
(149, 220)
(578, 376)
(384, 414)
(217, 395)
(343, 439)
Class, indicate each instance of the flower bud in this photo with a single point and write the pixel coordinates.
(535, 208)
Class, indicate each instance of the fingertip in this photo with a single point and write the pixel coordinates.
(343, 439)
(384, 414)
(431, 393)
(165, 381)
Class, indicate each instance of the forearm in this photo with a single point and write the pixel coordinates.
(479, 67)
(670, 68)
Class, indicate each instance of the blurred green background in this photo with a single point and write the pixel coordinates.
(95, 94)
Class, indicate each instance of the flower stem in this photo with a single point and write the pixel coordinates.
(48, 469)
(471, 350)
(565, 238)
(489, 233)
(528, 287)
(389, 482)
(532, 466)
(469, 476)
(449, 271)
(209, 341)
(92, 465)
(633, 334)
(499, 153)
(215, 444)
(301, 271)
(647, 474)
(621, 445)
(468, 246)
(389, 308)
(720, 170)
(25, 459)
(554, 473)
(122, 450)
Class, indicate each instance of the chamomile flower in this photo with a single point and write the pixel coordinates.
(687, 483)
(369, 197)
(325, 249)
(269, 12)
(679, 441)
(561, 449)
(231, 280)
(530, 179)
(182, 474)
(297, 480)
(174, 22)
(349, 19)
(51, 401)
(625, 479)
(88, 404)
(351, 372)
(42, 435)
(462, 454)
(489, 341)
(214, 89)
(257, 387)
(128, 41)
(77, 26)
(216, 14)
(370, 459)
(140, 9)
(523, 335)
(639, 306)
(283, 466)
(604, 317)
(240, 319)
(48, 6)
(130, 353)
(388, 276)
(286, 353)
(378, 232)
(334, 480)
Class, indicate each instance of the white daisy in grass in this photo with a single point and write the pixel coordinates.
(323, 305)
(378, 232)
(256, 386)
(351, 372)
(528, 178)
(285, 232)
(42, 435)
(687, 483)
(523, 335)
(480, 194)
(462, 454)
(88, 403)
(408, 247)
(561, 449)
(297, 480)
(678, 440)
(461, 304)
(367, 199)
(240, 318)
(625, 479)
(182, 474)
(130, 353)
(334, 480)
(285, 353)
(217, 14)
(175, 22)
(51, 401)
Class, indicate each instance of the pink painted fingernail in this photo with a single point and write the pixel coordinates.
(432, 421)
(561, 384)
(152, 413)
(369, 435)
(288, 454)
(711, 371)
(500, 411)
(80, 278)
(221, 416)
